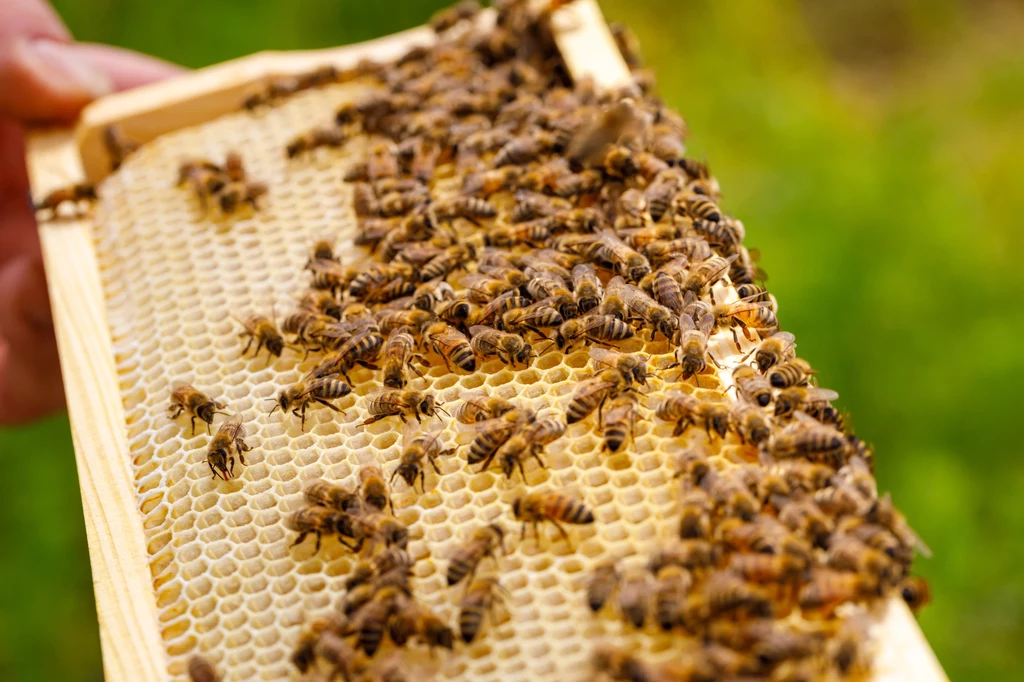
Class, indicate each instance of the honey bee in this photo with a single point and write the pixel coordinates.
(646, 308)
(401, 403)
(314, 139)
(827, 589)
(419, 446)
(532, 318)
(398, 354)
(694, 555)
(752, 424)
(661, 190)
(807, 438)
(847, 553)
(593, 329)
(795, 372)
(230, 435)
(534, 233)
(617, 422)
(328, 274)
(185, 398)
(297, 397)
(484, 288)
(590, 144)
(883, 513)
(591, 394)
(768, 568)
(372, 488)
(700, 207)
(327, 494)
(304, 655)
(471, 208)
(360, 348)
(531, 205)
(686, 410)
(479, 599)
(371, 620)
(586, 287)
(510, 348)
(320, 302)
(481, 544)
(672, 583)
(265, 332)
(730, 495)
(319, 521)
(75, 194)
(706, 273)
(723, 593)
(382, 161)
(777, 348)
(667, 292)
(620, 665)
(493, 433)
(336, 652)
(480, 407)
(916, 592)
(550, 506)
(235, 194)
(666, 143)
(789, 400)
(445, 263)
(528, 441)
(414, 320)
(200, 669)
(752, 386)
(606, 247)
(364, 200)
(118, 146)
(373, 525)
(693, 344)
(415, 619)
(452, 345)
(486, 183)
(634, 597)
(578, 184)
(521, 150)
(601, 584)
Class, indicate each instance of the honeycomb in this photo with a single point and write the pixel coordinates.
(228, 582)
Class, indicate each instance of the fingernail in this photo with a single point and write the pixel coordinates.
(63, 69)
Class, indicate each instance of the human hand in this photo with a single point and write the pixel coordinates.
(44, 77)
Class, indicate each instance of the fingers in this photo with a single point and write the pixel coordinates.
(31, 19)
(30, 383)
(125, 68)
(43, 80)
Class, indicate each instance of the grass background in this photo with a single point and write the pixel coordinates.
(873, 150)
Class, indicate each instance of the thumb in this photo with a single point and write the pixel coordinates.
(46, 80)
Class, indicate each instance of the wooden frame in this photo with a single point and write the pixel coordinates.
(132, 647)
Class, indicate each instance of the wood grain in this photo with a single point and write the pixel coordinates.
(132, 647)
(126, 605)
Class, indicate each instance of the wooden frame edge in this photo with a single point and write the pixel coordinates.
(122, 580)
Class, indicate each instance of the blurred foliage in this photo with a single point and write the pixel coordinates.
(873, 150)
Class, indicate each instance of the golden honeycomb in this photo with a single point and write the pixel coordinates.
(228, 582)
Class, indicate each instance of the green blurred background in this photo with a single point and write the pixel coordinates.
(873, 149)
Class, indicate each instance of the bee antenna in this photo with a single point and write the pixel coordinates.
(441, 409)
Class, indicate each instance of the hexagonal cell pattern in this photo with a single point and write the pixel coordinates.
(228, 583)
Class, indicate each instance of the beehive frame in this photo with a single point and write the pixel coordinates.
(133, 649)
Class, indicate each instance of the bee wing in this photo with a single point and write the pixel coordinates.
(787, 337)
(478, 329)
(603, 356)
(823, 394)
(686, 323)
(706, 324)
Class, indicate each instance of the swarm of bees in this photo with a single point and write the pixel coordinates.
(576, 222)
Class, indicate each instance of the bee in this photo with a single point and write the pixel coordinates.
(827, 589)
(230, 434)
(529, 441)
(319, 521)
(617, 664)
(700, 207)
(486, 183)
(455, 312)
(666, 143)
(916, 592)
(510, 348)
(314, 139)
(693, 464)
(672, 582)
(606, 247)
(550, 506)
(382, 161)
(531, 205)
(373, 617)
(235, 194)
(493, 433)
(883, 513)
(357, 349)
(601, 584)
(419, 446)
(372, 488)
(795, 372)
(479, 599)
(375, 526)
(200, 669)
(695, 520)
(74, 194)
(686, 410)
(789, 400)
(297, 397)
(402, 403)
(364, 200)
(484, 288)
(777, 348)
(470, 208)
(395, 204)
(723, 593)
(481, 544)
(807, 438)
(847, 553)
(661, 190)
(398, 354)
(667, 292)
(586, 287)
(118, 146)
(646, 308)
(706, 273)
(752, 386)
(424, 160)
(617, 422)
(521, 150)
(752, 424)
(445, 263)
(731, 495)
(430, 294)
(535, 233)
(415, 619)
(320, 302)
(590, 144)
(694, 555)
(414, 320)
(304, 655)
(328, 274)
(327, 494)
(480, 407)
(265, 332)
(591, 394)
(185, 398)
(578, 184)
(634, 597)
(768, 568)
(753, 292)
(532, 318)
(693, 344)
(746, 316)
(452, 345)
(593, 329)
(335, 651)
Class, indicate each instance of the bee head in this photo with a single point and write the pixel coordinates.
(426, 406)
(275, 345)
(517, 507)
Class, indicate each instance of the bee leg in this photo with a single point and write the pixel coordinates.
(434, 464)
(327, 404)
(717, 364)
(247, 345)
(522, 471)
(318, 538)
(298, 540)
(561, 531)
(231, 461)
(212, 470)
(177, 410)
(423, 481)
